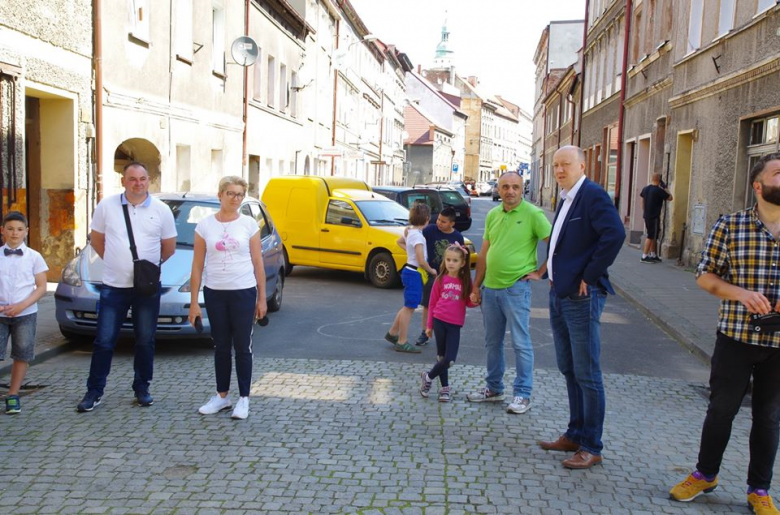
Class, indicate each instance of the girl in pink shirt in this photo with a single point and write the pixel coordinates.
(446, 314)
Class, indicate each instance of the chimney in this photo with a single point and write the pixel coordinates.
(473, 80)
(432, 133)
(419, 69)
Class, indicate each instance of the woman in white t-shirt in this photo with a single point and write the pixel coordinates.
(228, 243)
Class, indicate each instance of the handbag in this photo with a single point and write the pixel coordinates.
(769, 323)
(146, 275)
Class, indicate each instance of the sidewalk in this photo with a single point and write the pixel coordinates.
(669, 296)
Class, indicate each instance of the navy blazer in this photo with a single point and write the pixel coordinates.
(589, 241)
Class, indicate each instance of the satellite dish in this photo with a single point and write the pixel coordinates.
(244, 51)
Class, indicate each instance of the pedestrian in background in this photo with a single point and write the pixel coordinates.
(653, 197)
(438, 237)
(587, 237)
(154, 234)
(449, 298)
(412, 276)
(227, 245)
(22, 284)
(739, 266)
(507, 263)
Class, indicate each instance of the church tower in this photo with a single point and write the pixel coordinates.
(444, 56)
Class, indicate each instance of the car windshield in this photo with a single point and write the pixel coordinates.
(187, 214)
(383, 212)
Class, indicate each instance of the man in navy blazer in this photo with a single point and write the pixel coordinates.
(587, 236)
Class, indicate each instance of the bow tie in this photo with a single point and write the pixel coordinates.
(11, 252)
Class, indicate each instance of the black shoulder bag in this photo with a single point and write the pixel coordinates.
(146, 275)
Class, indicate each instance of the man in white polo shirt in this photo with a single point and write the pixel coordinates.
(154, 232)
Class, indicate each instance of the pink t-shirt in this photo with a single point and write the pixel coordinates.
(448, 302)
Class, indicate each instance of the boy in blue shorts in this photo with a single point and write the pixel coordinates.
(438, 237)
(22, 284)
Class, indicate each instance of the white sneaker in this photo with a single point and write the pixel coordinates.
(215, 405)
(242, 409)
(519, 405)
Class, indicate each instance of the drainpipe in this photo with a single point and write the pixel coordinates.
(244, 169)
(619, 163)
(582, 73)
(335, 106)
(542, 172)
(97, 63)
(573, 117)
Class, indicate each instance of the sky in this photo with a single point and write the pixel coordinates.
(492, 39)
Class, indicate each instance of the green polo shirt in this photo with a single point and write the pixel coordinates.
(513, 238)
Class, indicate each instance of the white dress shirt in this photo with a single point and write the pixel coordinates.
(568, 198)
(17, 276)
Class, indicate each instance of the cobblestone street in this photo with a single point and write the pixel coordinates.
(346, 437)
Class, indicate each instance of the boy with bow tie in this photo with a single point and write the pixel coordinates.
(22, 284)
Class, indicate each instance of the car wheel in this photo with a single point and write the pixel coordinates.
(73, 336)
(275, 304)
(381, 271)
(288, 268)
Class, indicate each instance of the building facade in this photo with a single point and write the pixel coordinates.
(602, 72)
(444, 109)
(176, 101)
(47, 130)
(555, 52)
(428, 148)
(725, 112)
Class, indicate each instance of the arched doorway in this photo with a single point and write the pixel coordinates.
(143, 151)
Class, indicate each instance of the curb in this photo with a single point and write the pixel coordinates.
(682, 339)
(45, 355)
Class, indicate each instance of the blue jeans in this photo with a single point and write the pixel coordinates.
(513, 306)
(114, 303)
(576, 328)
(231, 317)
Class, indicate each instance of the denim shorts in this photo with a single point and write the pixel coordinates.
(413, 287)
(22, 333)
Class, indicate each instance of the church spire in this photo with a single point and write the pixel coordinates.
(444, 55)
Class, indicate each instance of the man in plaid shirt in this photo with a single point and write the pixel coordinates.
(740, 264)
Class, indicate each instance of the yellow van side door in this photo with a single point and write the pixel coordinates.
(343, 236)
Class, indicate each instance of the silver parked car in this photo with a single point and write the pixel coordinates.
(77, 295)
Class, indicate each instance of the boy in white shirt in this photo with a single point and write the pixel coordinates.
(22, 284)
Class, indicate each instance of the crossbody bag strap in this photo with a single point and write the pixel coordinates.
(130, 232)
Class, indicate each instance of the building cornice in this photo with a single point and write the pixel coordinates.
(649, 92)
(745, 75)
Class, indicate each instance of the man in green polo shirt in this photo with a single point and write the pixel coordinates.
(507, 263)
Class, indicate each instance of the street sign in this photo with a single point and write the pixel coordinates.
(455, 168)
(331, 152)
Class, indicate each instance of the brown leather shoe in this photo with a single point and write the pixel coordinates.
(561, 444)
(582, 460)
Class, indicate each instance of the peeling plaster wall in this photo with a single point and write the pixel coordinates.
(50, 41)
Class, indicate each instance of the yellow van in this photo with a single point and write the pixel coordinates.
(339, 223)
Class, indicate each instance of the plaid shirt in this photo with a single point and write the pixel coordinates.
(744, 253)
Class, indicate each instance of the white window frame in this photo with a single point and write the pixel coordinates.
(184, 19)
(695, 20)
(726, 15)
(270, 80)
(283, 98)
(218, 38)
(140, 24)
(257, 77)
